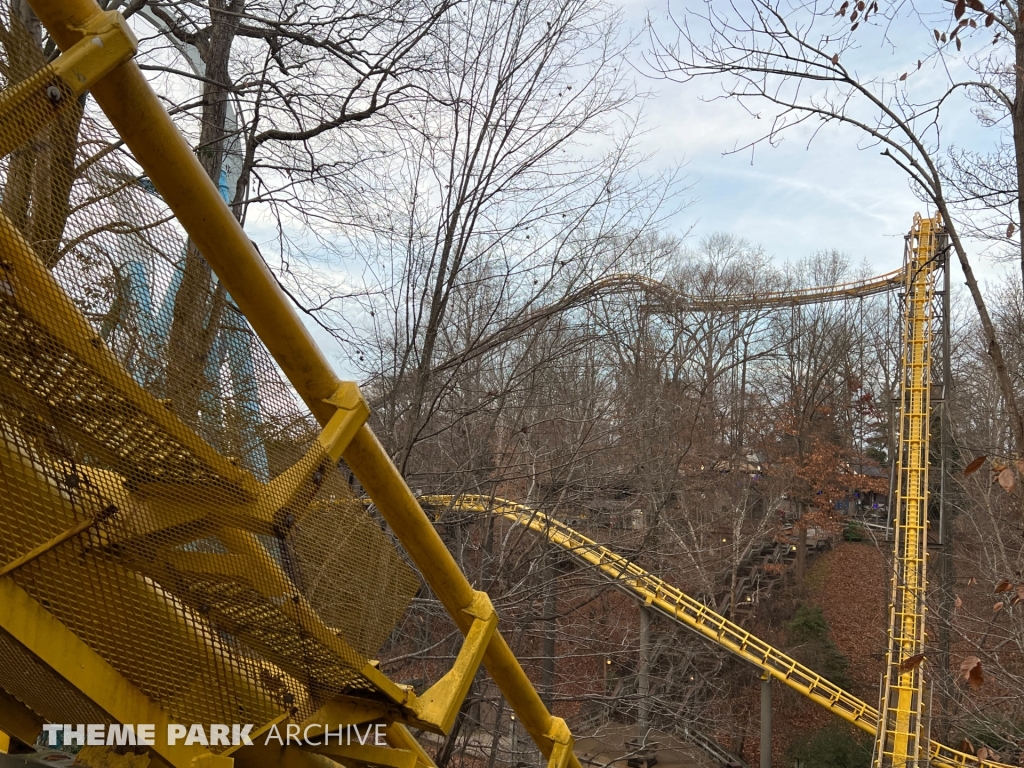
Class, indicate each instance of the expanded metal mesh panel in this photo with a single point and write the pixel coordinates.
(36, 686)
(145, 435)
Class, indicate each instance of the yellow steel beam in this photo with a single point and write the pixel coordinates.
(439, 704)
(67, 655)
(400, 738)
(358, 755)
(18, 720)
(29, 105)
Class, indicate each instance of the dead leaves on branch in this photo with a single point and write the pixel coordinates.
(1007, 595)
(1018, 596)
(1004, 587)
(982, 753)
(1003, 474)
(1007, 480)
(974, 466)
(963, 20)
(861, 11)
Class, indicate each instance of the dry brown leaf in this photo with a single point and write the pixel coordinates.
(854, 27)
(970, 668)
(972, 581)
(983, 753)
(1020, 465)
(936, 35)
(911, 662)
(976, 5)
(989, 20)
(903, 77)
(968, 664)
(835, 58)
(1010, 229)
(966, 746)
(1003, 586)
(974, 466)
(973, 24)
(959, 8)
(998, 607)
(959, 603)
(1007, 480)
(959, 45)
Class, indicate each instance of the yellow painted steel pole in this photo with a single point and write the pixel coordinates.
(383, 482)
(134, 110)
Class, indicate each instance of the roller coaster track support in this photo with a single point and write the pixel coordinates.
(901, 725)
(675, 604)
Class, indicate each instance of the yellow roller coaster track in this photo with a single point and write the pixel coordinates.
(72, 675)
(902, 700)
(677, 605)
(671, 299)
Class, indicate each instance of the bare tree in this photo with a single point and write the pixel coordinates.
(792, 59)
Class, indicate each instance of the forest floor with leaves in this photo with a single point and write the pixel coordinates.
(849, 584)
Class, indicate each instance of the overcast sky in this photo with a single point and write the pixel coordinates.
(799, 197)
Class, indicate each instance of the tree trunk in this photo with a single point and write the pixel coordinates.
(994, 349)
(197, 307)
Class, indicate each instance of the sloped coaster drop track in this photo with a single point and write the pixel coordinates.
(676, 605)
